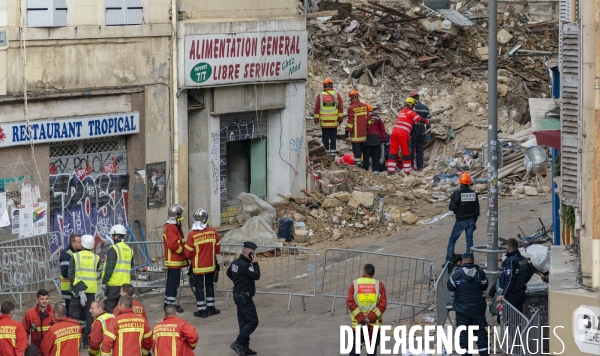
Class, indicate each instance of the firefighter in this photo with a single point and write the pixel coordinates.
(418, 138)
(465, 205)
(128, 333)
(84, 284)
(64, 336)
(13, 338)
(329, 113)
(202, 246)
(101, 320)
(65, 258)
(39, 319)
(137, 307)
(356, 128)
(513, 280)
(117, 267)
(468, 282)
(173, 244)
(367, 302)
(400, 138)
(376, 137)
(173, 336)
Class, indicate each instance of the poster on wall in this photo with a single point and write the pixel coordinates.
(25, 220)
(15, 221)
(155, 182)
(40, 218)
(4, 219)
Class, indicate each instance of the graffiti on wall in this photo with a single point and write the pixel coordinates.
(88, 194)
(19, 267)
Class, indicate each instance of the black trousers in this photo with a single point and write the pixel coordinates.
(205, 280)
(76, 309)
(482, 336)
(416, 151)
(329, 137)
(247, 319)
(371, 156)
(112, 298)
(173, 281)
(353, 352)
(357, 151)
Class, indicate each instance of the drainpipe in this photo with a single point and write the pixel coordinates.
(174, 91)
(596, 226)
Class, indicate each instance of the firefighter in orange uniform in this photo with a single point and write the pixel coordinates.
(39, 319)
(173, 336)
(367, 303)
(202, 246)
(99, 327)
(137, 307)
(329, 113)
(356, 128)
(128, 333)
(174, 259)
(13, 338)
(64, 336)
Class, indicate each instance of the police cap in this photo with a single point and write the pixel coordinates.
(250, 245)
(467, 255)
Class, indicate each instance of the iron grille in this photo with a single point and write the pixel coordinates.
(105, 144)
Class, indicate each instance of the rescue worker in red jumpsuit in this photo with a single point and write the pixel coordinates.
(99, 326)
(13, 338)
(38, 320)
(173, 336)
(329, 113)
(400, 139)
(137, 307)
(64, 336)
(128, 333)
(356, 128)
(173, 243)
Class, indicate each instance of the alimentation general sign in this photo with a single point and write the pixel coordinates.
(221, 59)
(69, 129)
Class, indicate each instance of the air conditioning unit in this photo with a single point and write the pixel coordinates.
(46, 13)
(124, 12)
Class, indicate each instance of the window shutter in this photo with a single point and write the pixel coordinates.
(46, 13)
(124, 12)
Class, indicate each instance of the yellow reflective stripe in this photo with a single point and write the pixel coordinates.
(11, 337)
(189, 248)
(165, 333)
(377, 312)
(316, 116)
(148, 334)
(203, 269)
(68, 337)
(175, 263)
(340, 114)
(193, 345)
(356, 312)
(110, 335)
(93, 352)
(43, 328)
(179, 249)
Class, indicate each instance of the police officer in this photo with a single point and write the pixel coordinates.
(244, 272)
(65, 259)
(84, 284)
(117, 267)
(173, 245)
(514, 277)
(418, 138)
(465, 205)
(468, 282)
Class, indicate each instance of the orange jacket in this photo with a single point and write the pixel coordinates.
(13, 338)
(42, 323)
(174, 337)
(62, 339)
(406, 120)
(137, 308)
(128, 334)
(173, 246)
(97, 334)
(202, 247)
(357, 121)
(381, 305)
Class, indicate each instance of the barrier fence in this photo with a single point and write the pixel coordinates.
(443, 297)
(407, 280)
(515, 328)
(289, 271)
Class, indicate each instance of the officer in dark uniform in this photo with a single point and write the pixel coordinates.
(418, 137)
(465, 205)
(244, 272)
(513, 279)
(468, 282)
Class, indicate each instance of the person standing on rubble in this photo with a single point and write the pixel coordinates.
(376, 137)
(400, 139)
(418, 138)
(465, 205)
(356, 128)
(329, 113)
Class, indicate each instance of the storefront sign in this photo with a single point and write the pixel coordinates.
(586, 329)
(79, 128)
(212, 60)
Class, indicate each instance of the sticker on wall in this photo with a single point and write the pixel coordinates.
(15, 221)
(155, 173)
(40, 218)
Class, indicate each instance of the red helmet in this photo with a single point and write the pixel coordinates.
(352, 93)
(413, 94)
(348, 159)
(464, 178)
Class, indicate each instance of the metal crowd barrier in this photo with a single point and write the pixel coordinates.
(443, 297)
(285, 270)
(407, 280)
(24, 271)
(513, 323)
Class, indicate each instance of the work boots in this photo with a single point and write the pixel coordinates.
(248, 351)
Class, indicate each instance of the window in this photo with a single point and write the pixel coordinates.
(124, 12)
(46, 13)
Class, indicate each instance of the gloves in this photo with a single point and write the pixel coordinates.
(346, 134)
(437, 120)
(82, 298)
(101, 292)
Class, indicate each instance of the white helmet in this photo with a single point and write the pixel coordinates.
(118, 230)
(87, 242)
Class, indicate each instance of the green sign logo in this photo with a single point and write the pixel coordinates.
(201, 72)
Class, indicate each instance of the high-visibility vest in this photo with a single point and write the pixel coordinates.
(65, 283)
(328, 116)
(86, 264)
(103, 319)
(122, 272)
(366, 295)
